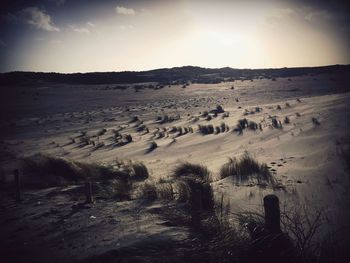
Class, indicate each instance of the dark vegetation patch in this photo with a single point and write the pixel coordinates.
(177, 75)
(245, 124)
(152, 146)
(315, 121)
(186, 169)
(286, 120)
(167, 119)
(44, 171)
(276, 123)
(206, 129)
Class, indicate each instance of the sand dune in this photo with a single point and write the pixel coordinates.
(303, 156)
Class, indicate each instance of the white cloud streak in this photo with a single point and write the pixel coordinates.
(280, 14)
(80, 29)
(90, 24)
(38, 18)
(120, 10)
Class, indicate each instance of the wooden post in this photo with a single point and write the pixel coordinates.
(196, 208)
(17, 185)
(222, 205)
(272, 213)
(88, 192)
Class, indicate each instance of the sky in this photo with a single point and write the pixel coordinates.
(103, 35)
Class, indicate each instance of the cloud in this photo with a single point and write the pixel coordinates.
(281, 13)
(90, 24)
(278, 15)
(38, 18)
(124, 11)
(80, 29)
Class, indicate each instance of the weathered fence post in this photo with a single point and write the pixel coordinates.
(196, 208)
(272, 213)
(88, 192)
(222, 206)
(17, 185)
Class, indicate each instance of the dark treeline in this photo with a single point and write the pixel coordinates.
(177, 75)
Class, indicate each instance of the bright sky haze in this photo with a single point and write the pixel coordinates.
(89, 36)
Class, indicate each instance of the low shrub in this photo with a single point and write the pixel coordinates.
(243, 123)
(206, 129)
(219, 109)
(128, 138)
(180, 132)
(315, 121)
(275, 123)
(166, 119)
(153, 145)
(252, 125)
(223, 127)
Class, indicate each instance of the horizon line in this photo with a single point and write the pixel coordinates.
(168, 68)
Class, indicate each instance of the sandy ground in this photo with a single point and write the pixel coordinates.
(305, 158)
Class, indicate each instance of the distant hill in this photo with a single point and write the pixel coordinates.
(177, 75)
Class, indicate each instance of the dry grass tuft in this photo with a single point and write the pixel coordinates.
(315, 121)
(151, 190)
(206, 129)
(45, 170)
(188, 169)
(246, 168)
(152, 146)
(139, 171)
